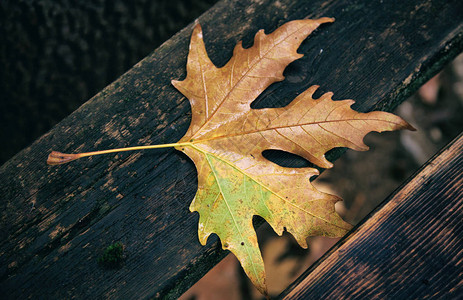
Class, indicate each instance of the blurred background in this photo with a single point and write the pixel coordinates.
(55, 55)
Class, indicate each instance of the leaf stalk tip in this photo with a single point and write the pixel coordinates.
(58, 158)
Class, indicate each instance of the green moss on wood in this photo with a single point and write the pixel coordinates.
(113, 256)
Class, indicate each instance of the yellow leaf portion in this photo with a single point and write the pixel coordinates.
(219, 95)
(226, 138)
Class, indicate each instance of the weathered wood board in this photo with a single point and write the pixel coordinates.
(56, 221)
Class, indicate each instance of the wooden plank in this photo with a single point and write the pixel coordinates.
(410, 248)
(56, 221)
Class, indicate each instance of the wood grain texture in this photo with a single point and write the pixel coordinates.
(410, 248)
(56, 221)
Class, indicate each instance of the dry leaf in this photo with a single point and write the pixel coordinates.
(226, 139)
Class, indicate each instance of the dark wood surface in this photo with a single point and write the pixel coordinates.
(410, 248)
(56, 221)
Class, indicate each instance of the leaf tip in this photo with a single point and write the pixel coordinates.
(58, 158)
(409, 127)
(262, 288)
(197, 30)
(325, 20)
(402, 124)
(324, 163)
(311, 90)
(266, 295)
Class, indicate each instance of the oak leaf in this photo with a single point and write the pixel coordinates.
(226, 139)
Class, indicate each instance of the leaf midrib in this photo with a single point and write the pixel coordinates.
(284, 127)
(231, 212)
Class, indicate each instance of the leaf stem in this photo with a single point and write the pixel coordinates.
(57, 158)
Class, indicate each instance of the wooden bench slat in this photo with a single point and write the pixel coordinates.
(56, 221)
(410, 248)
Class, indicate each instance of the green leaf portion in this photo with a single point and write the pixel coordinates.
(227, 207)
(230, 194)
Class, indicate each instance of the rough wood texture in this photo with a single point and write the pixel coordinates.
(56, 54)
(410, 248)
(56, 221)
